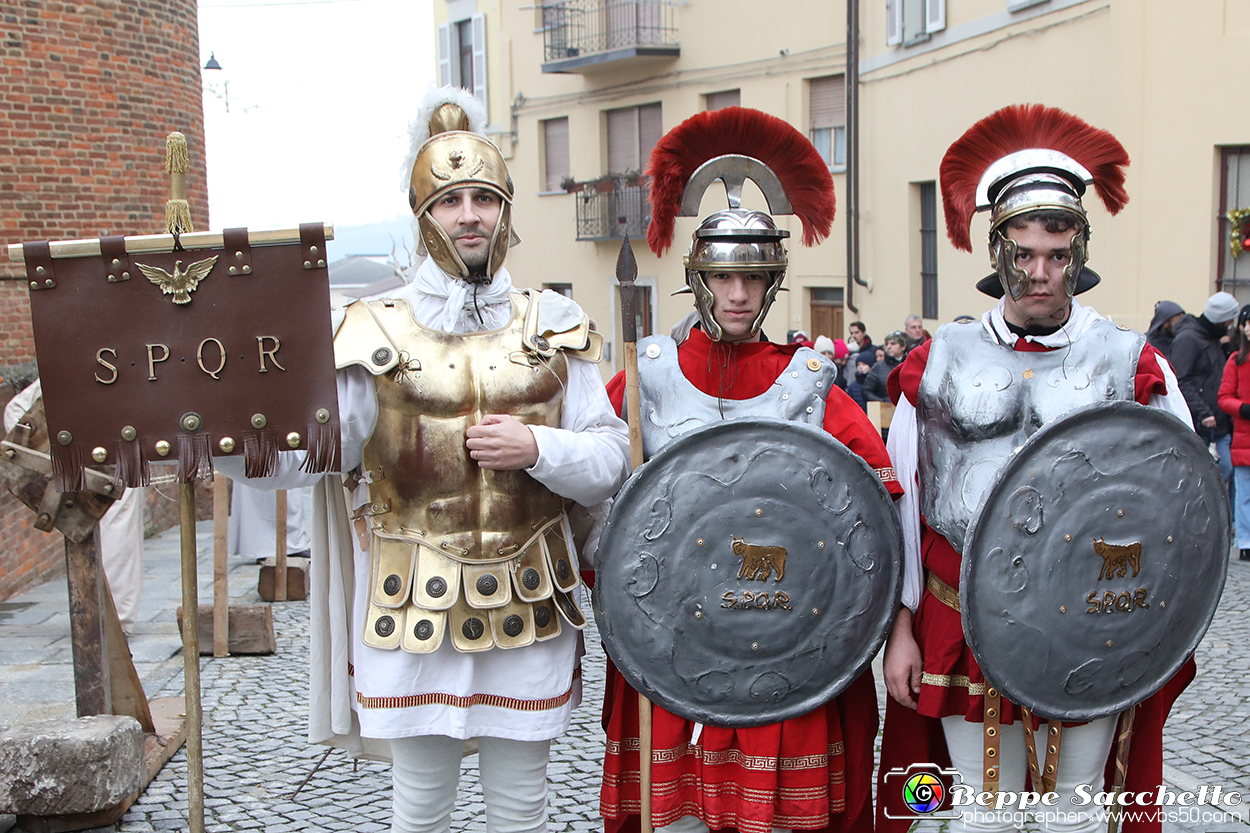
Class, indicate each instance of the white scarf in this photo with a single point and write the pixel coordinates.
(1079, 320)
(461, 306)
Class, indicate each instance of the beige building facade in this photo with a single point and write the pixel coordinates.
(578, 92)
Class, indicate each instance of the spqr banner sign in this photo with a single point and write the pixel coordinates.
(221, 347)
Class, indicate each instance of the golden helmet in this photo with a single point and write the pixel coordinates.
(452, 158)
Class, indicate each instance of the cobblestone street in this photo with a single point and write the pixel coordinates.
(261, 774)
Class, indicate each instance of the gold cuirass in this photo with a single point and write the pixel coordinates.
(479, 553)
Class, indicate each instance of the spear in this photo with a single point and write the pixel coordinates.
(626, 274)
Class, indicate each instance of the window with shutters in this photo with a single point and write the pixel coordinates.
(827, 111)
(909, 22)
(462, 55)
(1234, 269)
(928, 250)
(632, 133)
(723, 99)
(555, 152)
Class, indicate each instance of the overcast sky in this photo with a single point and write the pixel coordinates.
(320, 94)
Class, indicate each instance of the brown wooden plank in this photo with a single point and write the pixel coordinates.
(296, 581)
(251, 629)
(92, 688)
(124, 684)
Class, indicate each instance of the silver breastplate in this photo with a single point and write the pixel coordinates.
(980, 400)
(672, 406)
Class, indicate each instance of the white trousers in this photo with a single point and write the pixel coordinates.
(121, 554)
(426, 770)
(1082, 757)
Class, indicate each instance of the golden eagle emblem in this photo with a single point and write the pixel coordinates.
(180, 284)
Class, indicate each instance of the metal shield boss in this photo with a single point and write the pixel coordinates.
(748, 573)
(1096, 562)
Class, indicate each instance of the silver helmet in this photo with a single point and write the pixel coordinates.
(1027, 181)
(735, 240)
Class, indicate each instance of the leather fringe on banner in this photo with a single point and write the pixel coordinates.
(195, 457)
(131, 470)
(260, 453)
(323, 448)
(67, 468)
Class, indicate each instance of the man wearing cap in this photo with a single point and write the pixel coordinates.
(1044, 354)
(1199, 351)
(1162, 328)
(445, 611)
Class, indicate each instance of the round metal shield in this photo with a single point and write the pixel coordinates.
(748, 572)
(1096, 562)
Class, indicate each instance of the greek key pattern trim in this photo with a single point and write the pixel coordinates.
(729, 756)
(886, 474)
(441, 699)
(953, 681)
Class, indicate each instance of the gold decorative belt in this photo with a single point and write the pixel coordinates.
(944, 593)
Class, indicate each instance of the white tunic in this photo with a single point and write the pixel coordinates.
(522, 693)
(252, 533)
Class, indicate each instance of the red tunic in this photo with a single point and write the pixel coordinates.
(812, 772)
(953, 683)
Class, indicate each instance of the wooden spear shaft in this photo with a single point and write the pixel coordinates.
(221, 582)
(191, 658)
(626, 274)
(279, 561)
(178, 221)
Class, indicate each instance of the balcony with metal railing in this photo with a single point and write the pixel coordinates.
(582, 36)
(609, 208)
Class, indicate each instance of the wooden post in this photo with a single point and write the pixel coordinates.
(85, 575)
(279, 524)
(191, 659)
(221, 584)
(626, 275)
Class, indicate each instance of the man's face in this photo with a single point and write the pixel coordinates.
(915, 329)
(737, 298)
(894, 349)
(857, 334)
(469, 216)
(1042, 255)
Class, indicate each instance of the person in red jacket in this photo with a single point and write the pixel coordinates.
(966, 399)
(812, 772)
(1234, 400)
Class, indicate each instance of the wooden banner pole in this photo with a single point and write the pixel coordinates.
(221, 583)
(191, 658)
(279, 570)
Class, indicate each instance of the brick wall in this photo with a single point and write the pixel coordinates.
(88, 92)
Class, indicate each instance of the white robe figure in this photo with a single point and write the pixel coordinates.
(121, 528)
(252, 533)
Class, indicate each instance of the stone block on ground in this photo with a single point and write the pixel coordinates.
(60, 766)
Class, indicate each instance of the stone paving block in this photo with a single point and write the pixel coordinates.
(57, 767)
